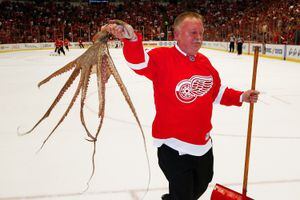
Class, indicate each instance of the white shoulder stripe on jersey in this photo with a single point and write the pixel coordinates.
(220, 94)
(140, 65)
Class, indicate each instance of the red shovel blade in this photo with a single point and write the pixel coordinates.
(223, 193)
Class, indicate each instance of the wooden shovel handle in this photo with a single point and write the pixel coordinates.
(249, 132)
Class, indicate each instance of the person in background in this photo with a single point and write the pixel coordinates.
(56, 45)
(59, 46)
(80, 43)
(231, 43)
(240, 42)
(66, 43)
(186, 86)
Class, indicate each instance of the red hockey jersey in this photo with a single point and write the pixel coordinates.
(184, 91)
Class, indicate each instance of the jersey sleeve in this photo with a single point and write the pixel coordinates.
(229, 97)
(140, 61)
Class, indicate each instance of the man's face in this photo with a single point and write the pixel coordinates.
(189, 35)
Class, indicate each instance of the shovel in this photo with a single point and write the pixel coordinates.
(223, 193)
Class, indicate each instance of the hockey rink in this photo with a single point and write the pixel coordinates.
(62, 168)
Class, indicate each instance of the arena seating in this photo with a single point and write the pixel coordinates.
(43, 21)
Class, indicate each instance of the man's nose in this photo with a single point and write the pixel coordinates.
(198, 37)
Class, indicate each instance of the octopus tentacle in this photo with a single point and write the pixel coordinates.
(83, 97)
(94, 149)
(100, 83)
(67, 85)
(125, 93)
(67, 111)
(101, 78)
(60, 71)
(93, 168)
(83, 62)
(107, 72)
(85, 86)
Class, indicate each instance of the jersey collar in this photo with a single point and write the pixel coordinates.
(177, 47)
(192, 58)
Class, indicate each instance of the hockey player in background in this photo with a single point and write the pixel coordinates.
(185, 87)
(56, 45)
(66, 43)
(59, 46)
(80, 43)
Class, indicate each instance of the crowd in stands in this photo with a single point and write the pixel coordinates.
(265, 21)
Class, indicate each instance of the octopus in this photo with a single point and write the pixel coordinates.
(96, 60)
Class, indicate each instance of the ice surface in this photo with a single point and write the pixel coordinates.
(60, 171)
